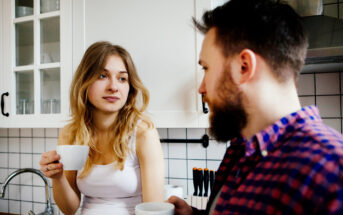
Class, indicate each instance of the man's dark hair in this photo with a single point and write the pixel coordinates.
(270, 28)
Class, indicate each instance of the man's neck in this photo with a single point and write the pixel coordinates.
(268, 105)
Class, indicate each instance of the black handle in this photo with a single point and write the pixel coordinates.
(212, 176)
(201, 181)
(3, 104)
(195, 181)
(204, 108)
(206, 180)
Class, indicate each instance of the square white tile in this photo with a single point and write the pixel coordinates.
(176, 133)
(195, 133)
(13, 132)
(13, 161)
(26, 207)
(177, 150)
(14, 191)
(306, 84)
(26, 193)
(4, 206)
(3, 144)
(163, 132)
(14, 207)
(25, 160)
(37, 181)
(306, 101)
(38, 207)
(13, 144)
(165, 149)
(50, 144)
(177, 168)
(3, 175)
(3, 132)
(216, 150)
(166, 168)
(26, 145)
(196, 151)
(26, 178)
(333, 123)
(25, 132)
(213, 165)
(329, 106)
(180, 183)
(35, 161)
(195, 163)
(38, 132)
(51, 132)
(4, 160)
(38, 194)
(327, 83)
(38, 145)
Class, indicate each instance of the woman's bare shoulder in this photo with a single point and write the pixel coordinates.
(146, 133)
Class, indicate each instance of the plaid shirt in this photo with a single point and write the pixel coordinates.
(294, 166)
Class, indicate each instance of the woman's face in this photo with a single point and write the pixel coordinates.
(109, 92)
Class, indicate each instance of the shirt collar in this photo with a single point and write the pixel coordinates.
(269, 138)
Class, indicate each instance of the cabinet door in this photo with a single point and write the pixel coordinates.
(162, 41)
(36, 62)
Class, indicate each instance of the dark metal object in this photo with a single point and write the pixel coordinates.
(204, 140)
(3, 104)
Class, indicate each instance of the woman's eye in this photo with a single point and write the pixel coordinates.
(102, 76)
(123, 79)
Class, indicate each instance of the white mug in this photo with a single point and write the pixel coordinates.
(154, 208)
(73, 157)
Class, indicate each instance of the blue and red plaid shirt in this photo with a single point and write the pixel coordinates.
(294, 166)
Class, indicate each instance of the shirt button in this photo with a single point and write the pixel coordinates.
(264, 153)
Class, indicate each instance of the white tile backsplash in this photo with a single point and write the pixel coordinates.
(38, 132)
(329, 106)
(327, 83)
(177, 168)
(306, 101)
(196, 151)
(177, 150)
(3, 132)
(26, 132)
(13, 132)
(14, 207)
(38, 145)
(26, 207)
(26, 193)
(306, 84)
(25, 145)
(13, 144)
(3, 160)
(51, 132)
(333, 123)
(14, 191)
(13, 161)
(216, 150)
(3, 144)
(51, 144)
(177, 133)
(195, 133)
(26, 178)
(3, 205)
(38, 194)
(180, 183)
(26, 161)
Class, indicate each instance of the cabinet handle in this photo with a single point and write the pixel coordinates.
(204, 108)
(3, 104)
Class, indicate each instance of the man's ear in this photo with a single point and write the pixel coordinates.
(247, 60)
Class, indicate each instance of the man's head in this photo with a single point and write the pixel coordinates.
(265, 28)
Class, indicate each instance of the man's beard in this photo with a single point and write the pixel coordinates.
(228, 116)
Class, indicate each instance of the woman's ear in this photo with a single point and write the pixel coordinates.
(247, 60)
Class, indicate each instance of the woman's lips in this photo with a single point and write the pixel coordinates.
(110, 98)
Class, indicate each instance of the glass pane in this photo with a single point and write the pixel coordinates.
(50, 90)
(24, 43)
(49, 5)
(24, 92)
(23, 8)
(50, 40)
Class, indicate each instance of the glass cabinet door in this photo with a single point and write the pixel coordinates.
(37, 57)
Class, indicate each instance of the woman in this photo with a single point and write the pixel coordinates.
(125, 163)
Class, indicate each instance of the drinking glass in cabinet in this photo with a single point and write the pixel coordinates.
(24, 43)
(50, 40)
(49, 5)
(50, 90)
(24, 92)
(23, 8)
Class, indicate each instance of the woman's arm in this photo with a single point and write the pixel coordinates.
(66, 194)
(150, 156)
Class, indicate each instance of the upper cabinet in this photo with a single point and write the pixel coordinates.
(37, 67)
(163, 43)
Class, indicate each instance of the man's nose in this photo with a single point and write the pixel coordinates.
(202, 87)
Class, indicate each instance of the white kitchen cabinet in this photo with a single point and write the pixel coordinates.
(164, 46)
(37, 67)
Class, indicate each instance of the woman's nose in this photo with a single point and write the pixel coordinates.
(113, 86)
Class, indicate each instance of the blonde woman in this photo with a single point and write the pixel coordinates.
(125, 164)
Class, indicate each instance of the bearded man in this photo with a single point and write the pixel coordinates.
(282, 159)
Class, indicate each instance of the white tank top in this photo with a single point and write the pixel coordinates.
(110, 191)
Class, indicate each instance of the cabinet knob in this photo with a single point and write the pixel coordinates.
(204, 108)
(3, 104)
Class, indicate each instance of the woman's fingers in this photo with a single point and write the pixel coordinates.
(49, 157)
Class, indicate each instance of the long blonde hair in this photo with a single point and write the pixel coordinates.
(81, 128)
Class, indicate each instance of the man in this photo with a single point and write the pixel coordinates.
(282, 159)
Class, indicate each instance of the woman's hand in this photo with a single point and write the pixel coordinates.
(50, 166)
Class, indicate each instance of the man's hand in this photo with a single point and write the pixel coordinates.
(181, 207)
